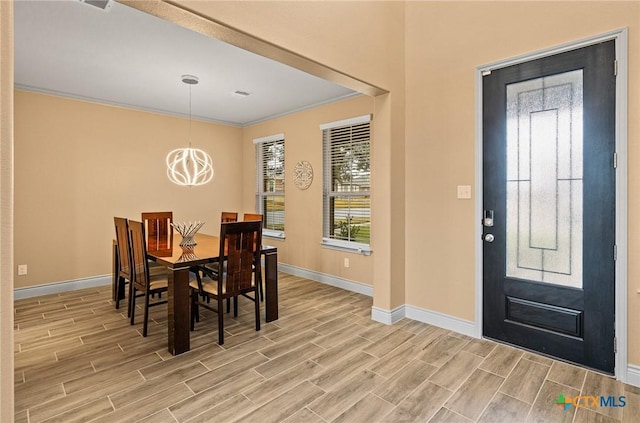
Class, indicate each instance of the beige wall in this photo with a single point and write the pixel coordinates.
(440, 131)
(429, 50)
(303, 209)
(6, 211)
(79, 164)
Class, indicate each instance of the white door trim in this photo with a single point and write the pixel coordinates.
(621, 38)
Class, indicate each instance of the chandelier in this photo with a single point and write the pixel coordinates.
(189, 166)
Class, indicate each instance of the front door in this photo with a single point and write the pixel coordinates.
(549, 205)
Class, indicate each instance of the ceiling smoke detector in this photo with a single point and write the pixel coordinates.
(100, 4)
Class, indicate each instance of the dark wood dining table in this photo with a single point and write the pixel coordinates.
(179, 260)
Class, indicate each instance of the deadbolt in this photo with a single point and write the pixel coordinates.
(489, 237)
(487, 219)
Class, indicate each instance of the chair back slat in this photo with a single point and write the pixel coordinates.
(140, 265)
(122, 240)
(242, 241)
(159, 231)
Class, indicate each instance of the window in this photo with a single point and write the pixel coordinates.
(270, 183)
(347, 184)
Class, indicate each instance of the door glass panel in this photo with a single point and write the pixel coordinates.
(544, 179)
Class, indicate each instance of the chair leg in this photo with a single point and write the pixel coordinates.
(194, 308)
(257, 303)
(146, 314)
(119, 290)
(235, 306)
(220, 322)
(129, 299)
(205, 296)
(260, 288)
(132, 303)
(258, 281)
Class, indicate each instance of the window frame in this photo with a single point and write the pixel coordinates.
(328, 193)
(261, 193)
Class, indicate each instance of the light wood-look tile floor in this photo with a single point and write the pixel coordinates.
(77, 359)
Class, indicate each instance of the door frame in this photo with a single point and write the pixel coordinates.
(621, 40)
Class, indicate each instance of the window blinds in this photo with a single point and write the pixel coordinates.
(270, 183)
(347, 180)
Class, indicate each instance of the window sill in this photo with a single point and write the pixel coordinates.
(272, 234)
(352, 247)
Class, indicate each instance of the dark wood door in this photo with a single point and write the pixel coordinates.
(549, 205)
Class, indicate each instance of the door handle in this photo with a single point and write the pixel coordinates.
(489, 237)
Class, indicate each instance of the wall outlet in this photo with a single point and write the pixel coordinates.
(346, 262)
(22, 269)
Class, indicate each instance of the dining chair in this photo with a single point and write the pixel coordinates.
(242, 241)
(211, 269)
(142, 280)
(249, 217)
(124, 259)
(159, 231)
(225, 217)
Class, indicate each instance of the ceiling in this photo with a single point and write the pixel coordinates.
(125, 57)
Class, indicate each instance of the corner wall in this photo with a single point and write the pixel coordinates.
(6, 211)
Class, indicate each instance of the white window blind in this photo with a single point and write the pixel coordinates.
(270, 183)
(347, 184)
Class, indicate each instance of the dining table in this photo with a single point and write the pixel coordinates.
(179, 260)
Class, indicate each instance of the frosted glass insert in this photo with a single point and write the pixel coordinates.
(544, 179)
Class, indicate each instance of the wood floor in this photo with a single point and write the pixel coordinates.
(78, 359)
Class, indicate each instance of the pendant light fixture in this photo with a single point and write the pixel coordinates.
(189, 166)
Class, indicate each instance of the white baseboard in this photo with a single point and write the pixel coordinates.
(442, 320)
(434, 318)
(387, 317)
(633, 375)
(58, 287)
(352, 286)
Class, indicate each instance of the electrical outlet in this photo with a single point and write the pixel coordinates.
(22, 269)
(346, 262)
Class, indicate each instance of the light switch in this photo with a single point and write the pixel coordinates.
(464, 192)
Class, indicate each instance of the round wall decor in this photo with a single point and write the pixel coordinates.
(303, 174)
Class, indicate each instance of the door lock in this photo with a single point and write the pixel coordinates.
(487, 219)
(489, 237)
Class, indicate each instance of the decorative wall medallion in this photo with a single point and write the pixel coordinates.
(303, 174)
